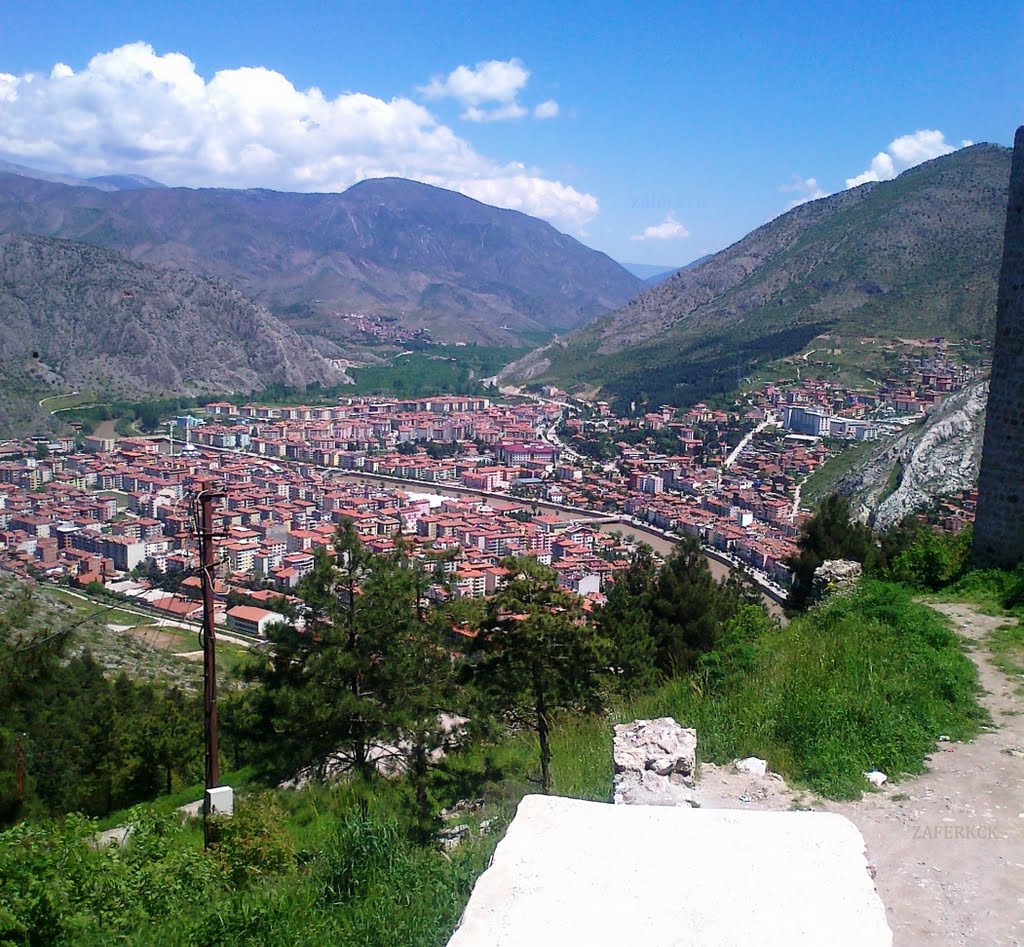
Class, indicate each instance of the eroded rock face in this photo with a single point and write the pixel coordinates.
(938, 458)
(655, 763)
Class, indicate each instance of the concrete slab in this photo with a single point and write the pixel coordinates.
(572, 872)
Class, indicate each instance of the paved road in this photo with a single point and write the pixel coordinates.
(769, 421)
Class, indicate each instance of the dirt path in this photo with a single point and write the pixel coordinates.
(947, 846)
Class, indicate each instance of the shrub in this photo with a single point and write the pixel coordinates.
(254, 842)
(933, 559)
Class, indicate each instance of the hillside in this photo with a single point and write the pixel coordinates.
(914, 257)
(74, 316)
(431, 258)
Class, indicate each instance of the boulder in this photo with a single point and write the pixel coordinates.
(834, 577)
(655, 763)
(752, 766)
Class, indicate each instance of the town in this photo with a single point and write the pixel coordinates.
(465, 481)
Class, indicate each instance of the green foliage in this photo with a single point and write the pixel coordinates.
(254, 843)
(824, 481)
(1007, 645)
(537, 654)
(56, 887)
(869, 680)
(358, 880)
(147, 415)
(995, 590)
(367, 674)
(932, 559)
(829, 534)
(735, 656)
(456, 370)
(689, 608)
(90, 742)
(625, 623)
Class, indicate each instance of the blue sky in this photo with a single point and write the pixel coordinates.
(655, 132)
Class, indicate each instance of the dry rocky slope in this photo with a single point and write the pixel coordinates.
(434, 258)
(913, 257)
(79, 317)
(939, 457)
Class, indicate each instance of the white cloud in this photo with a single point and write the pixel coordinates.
(8, 87)
(668, 229)
(493, 80)
(500, 114)
(806, 189)
(905, 152)
(132, 110)
(548, 109)
(532, 195)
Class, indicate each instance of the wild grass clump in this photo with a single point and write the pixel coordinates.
(994, 590)
(1007, 646)
(868, 681)
(359, 878)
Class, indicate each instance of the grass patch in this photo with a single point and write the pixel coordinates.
(994, 591)
(239, 780)
(87, 608)
(324, 865)
(1007, 646)
(825, 479)
(64, 402)
(869, 681)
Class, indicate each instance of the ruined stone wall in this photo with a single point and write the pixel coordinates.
(999, 522)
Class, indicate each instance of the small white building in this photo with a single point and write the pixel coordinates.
(250, 620)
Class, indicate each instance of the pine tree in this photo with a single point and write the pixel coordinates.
(361, 687)
(829, 534)
(625, 623)
(538, 654)
(689, 607)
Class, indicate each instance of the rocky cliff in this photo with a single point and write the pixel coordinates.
(76, 317)
(939, 457)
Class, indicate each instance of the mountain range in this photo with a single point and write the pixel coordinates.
(914, 257)
(430, 258)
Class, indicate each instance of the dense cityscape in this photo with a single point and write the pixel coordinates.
(558, 479)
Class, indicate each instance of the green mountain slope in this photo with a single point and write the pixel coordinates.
(909, 258)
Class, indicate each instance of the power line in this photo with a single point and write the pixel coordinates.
(39, 642)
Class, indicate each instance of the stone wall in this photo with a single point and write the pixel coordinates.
(999, 522)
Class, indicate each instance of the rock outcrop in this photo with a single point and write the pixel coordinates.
(835, 576)
(938, 458)
(655, 763)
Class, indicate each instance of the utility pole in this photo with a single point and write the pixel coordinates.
(207, 563)
(19, 750)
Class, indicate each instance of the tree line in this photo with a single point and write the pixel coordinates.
(73, 738)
